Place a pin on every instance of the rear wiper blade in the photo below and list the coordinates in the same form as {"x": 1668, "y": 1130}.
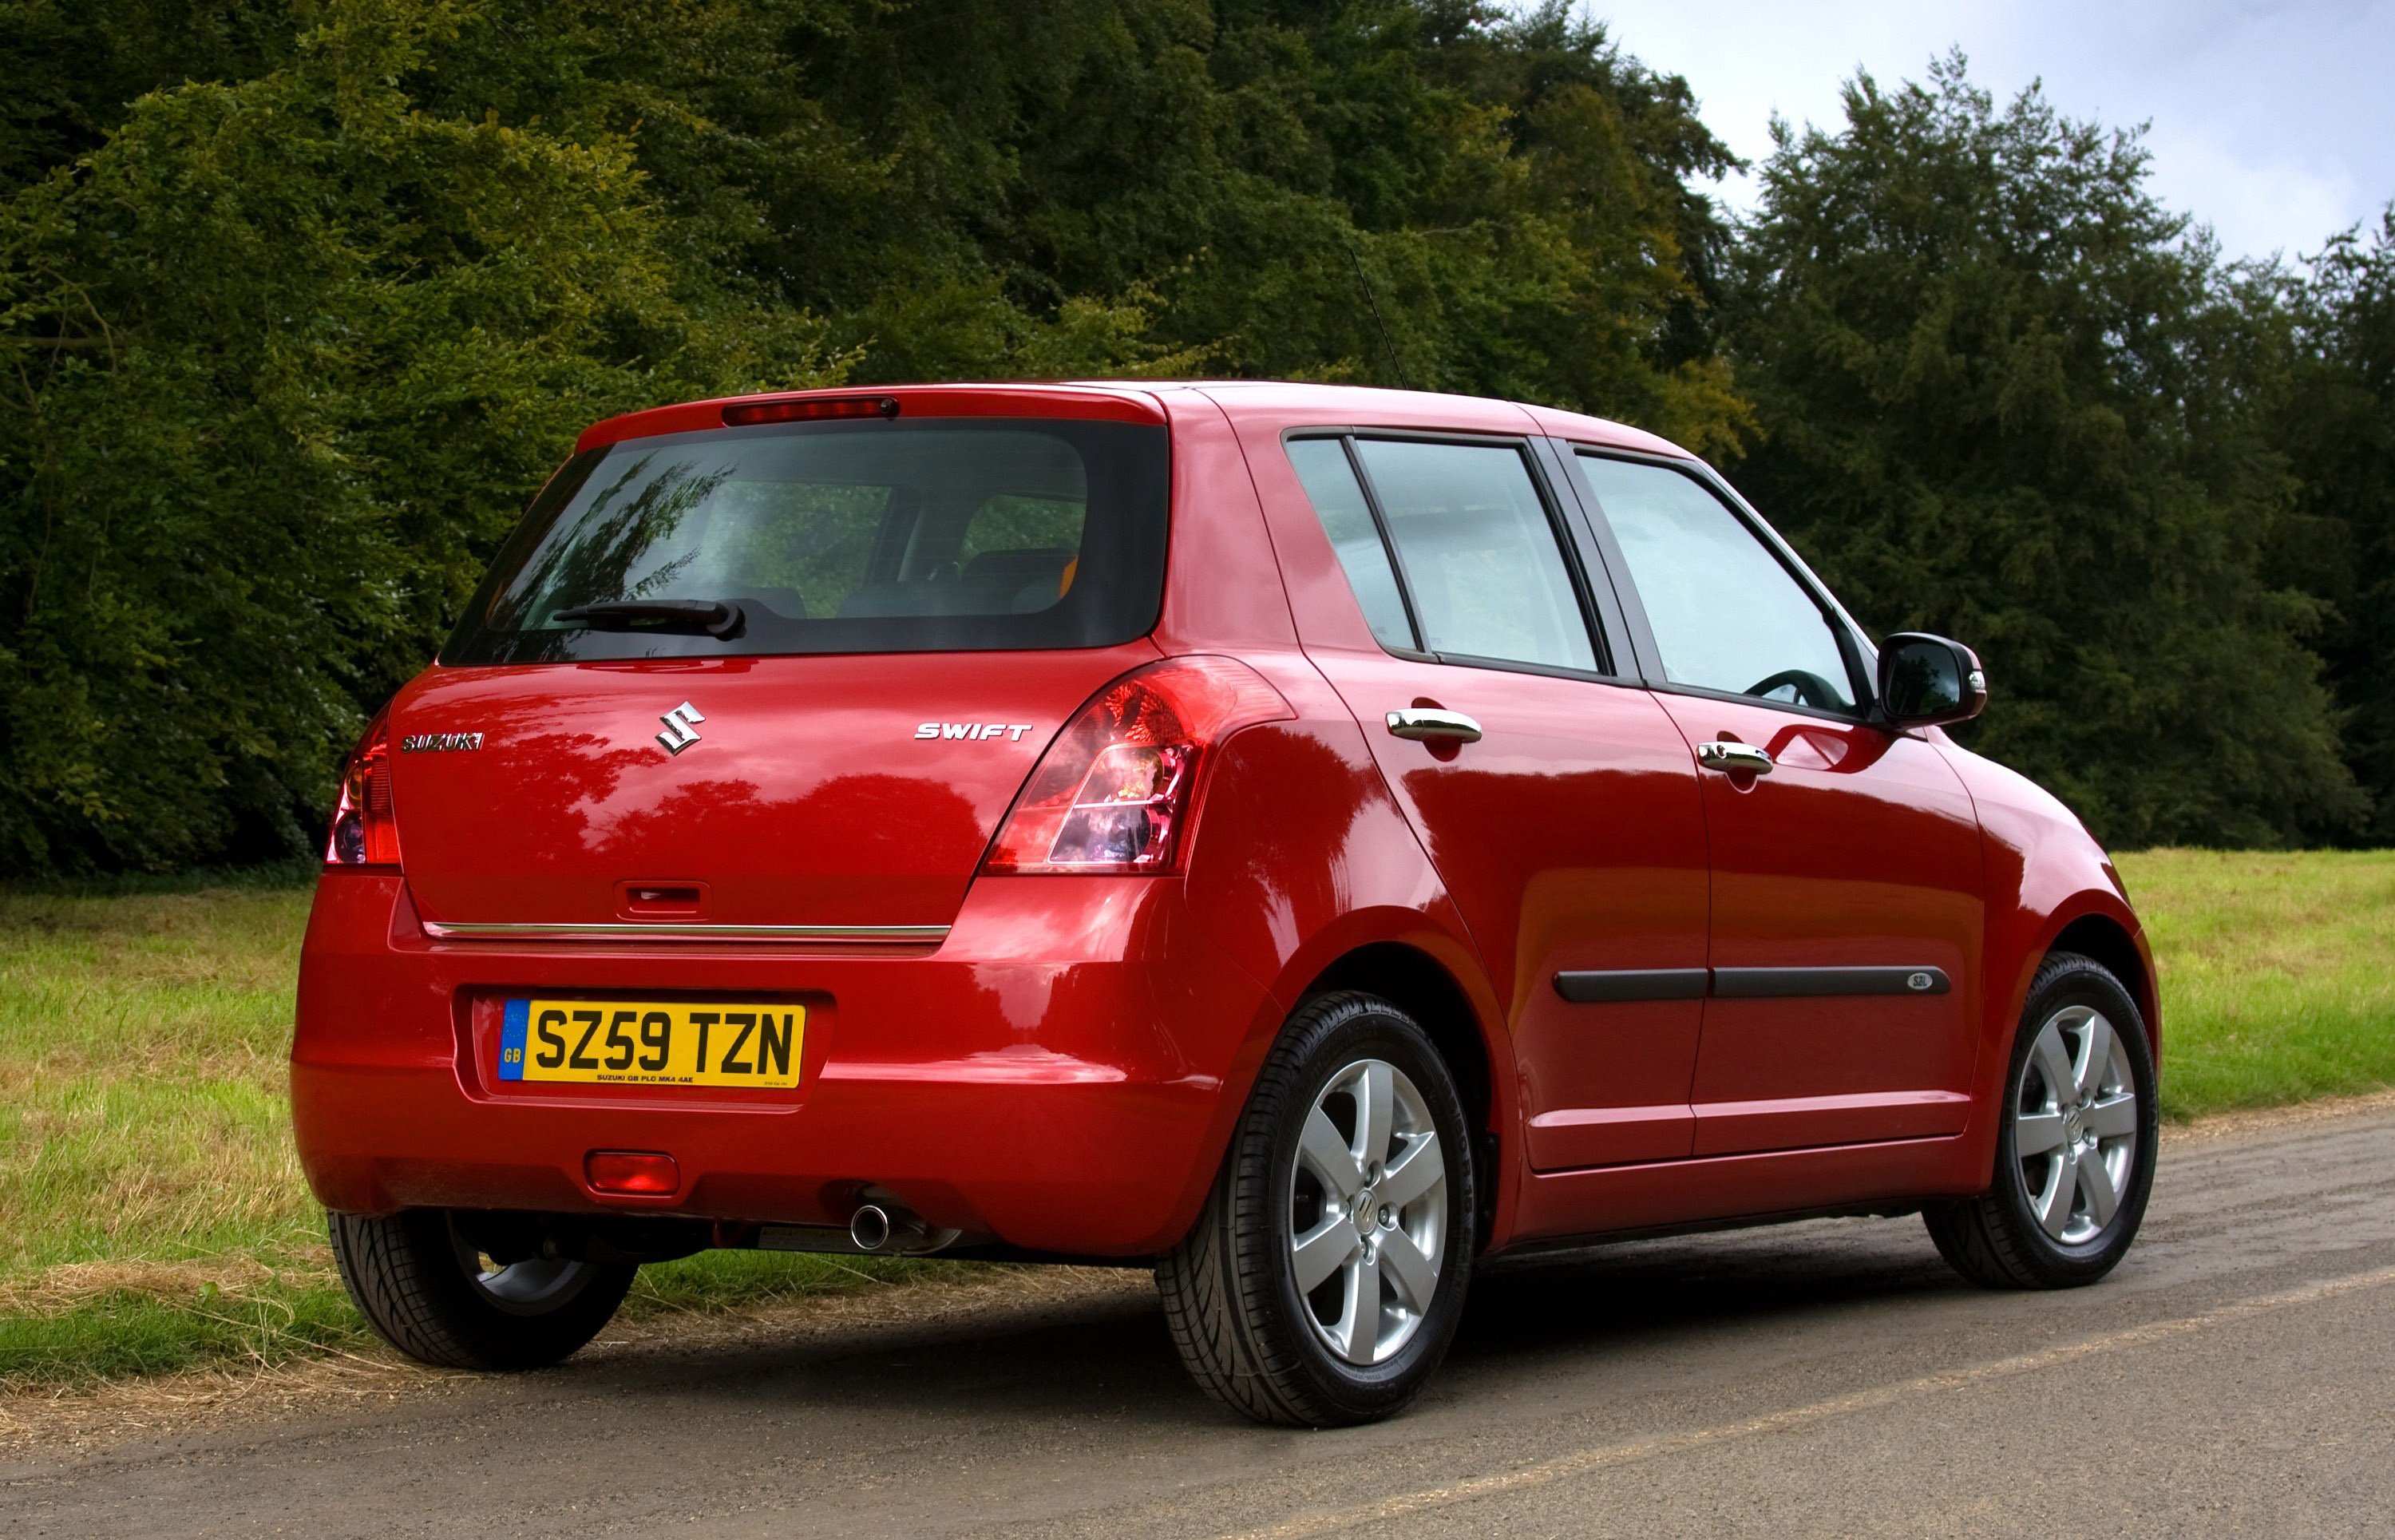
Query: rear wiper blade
{"x": 717, "y": 618}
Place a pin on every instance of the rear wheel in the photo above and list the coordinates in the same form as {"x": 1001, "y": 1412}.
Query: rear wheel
{"x": 1324, "y": 1280}
{"x": 2075, "y": 1153}
{"x": 432, "y": 1293}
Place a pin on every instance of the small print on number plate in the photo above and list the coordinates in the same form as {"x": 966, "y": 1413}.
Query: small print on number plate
{"x": 633, "y": 1042}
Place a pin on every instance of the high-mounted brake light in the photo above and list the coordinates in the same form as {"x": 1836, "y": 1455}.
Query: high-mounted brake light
{"x": 747, "y": 413}
{"x": 1115, "y": 790}
{"x": 364, "y": 832}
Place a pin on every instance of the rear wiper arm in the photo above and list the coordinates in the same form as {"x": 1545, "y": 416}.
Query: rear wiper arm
{"x": 717, "y": 618}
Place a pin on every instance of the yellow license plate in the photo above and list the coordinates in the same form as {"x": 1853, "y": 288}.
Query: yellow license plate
{"x": 634, "y": 1042}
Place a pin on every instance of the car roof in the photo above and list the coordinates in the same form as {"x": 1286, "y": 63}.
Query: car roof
{"x": 1291, "y": 402}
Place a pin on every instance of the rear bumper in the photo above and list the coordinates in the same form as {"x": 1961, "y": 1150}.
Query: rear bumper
{"x": 1059, "y": 1074}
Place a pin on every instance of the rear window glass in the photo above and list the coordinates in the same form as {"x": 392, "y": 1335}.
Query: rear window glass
{"x": 929, "y": 536}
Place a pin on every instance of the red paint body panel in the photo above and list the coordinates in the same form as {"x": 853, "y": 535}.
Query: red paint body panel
{"x": 2044, "y": 872}
{"x": 811, "y": 800}
{"x": 1859, "y": 849}
{"x": 1031, "y": 1079}
{"x": 1061, "y": 1071}
{"x": 1570, "y": 836}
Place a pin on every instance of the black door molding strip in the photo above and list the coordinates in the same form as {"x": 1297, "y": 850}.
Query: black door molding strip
{"x": 1611, "y": 986}
{"x": 1598, "y": 987}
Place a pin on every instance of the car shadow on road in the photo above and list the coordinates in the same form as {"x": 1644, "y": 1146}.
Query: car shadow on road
{"x": 1632, "y": 1291}
{"x": 1108, "y": 1354}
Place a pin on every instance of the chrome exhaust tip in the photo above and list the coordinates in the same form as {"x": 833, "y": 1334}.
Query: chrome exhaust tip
{"x": 869, "y": 1228}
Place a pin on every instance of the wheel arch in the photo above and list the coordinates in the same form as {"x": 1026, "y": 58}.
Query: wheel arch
{"x": 1422, "y": 986}
{"x": 2121, "y": 951}
{"x": 1418, "y": 984}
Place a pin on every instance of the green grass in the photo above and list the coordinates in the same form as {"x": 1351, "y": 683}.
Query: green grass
{"x": 153, "y": 1215}
{"x": 2278, "y": 972}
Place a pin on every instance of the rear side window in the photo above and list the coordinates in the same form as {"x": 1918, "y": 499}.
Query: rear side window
{"x": 1449, "y": 549}
{"x": 1725, "y": 614}
{"x": 1478, "y": 552}
{"x": 1339, "y": 502}
{"x": 934, "y": 535}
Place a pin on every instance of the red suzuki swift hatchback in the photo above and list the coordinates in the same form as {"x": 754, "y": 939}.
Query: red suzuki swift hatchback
{"x": 1307, "y": 840}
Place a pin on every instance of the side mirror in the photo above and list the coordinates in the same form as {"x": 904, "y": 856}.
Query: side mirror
{"x": 1926, "y": 679}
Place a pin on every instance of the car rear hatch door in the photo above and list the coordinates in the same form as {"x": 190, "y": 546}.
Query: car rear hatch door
{"x": 765, "y": 667}
{"x": 817, "y": 792}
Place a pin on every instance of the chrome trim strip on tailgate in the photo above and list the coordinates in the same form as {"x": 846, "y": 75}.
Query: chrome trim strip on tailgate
{"x": 458, "y": 930}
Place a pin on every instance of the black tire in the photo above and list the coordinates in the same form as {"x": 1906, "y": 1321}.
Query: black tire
{"x": 1230, "y": 1292}
{"x": 1996, "y": 1240}
{"x": 419, "y": 1286}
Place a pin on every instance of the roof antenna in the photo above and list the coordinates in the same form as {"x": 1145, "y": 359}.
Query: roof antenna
{"x": 1365, "y": 284}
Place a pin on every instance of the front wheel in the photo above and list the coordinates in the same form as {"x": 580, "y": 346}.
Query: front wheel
{"x": 1324, "y": 1281}
{"x": 430, "y": 1292}
{"x": 2075, "y": 1152}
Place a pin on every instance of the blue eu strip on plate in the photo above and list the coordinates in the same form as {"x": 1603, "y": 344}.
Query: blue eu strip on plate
{"x": 511, "y": 1040}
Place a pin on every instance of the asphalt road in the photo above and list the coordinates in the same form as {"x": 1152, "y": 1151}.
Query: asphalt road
{"x": 1828, "y": 1378}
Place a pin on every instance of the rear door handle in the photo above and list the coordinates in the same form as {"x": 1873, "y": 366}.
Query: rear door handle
{"x": 1425, "y": 726}
{"x": 1733, "y": 759}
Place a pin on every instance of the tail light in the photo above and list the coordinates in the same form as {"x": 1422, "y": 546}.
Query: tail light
{"x": 1115, "y": 789}
{"x": 365, "y": 833}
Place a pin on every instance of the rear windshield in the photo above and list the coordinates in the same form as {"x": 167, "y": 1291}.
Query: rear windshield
{"x": 930, "y": 536}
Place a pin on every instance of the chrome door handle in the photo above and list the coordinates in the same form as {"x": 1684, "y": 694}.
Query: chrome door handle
{"x": 1733, "y": 759}
{"x": 1427, "y": 726}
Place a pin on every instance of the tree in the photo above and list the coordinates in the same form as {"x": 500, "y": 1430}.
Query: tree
{"x": 283, "y": 357}
{"x": 2336, "y": 420}
{"x": 301, "y": 299}
{"x": 2005, "y": 395}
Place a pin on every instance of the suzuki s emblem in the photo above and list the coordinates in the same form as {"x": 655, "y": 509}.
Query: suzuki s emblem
{"x": 680, "y": 734}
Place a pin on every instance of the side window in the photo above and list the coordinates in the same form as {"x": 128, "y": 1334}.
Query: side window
{"x": 1727, "y": 615}
{"x": 1477, "y": 552}
{"x": 1339, "y": 502}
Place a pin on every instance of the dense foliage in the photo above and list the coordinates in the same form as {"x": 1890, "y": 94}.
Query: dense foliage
{"x": 300, "y": 298}
{"x": 2335, "y": 416}
{"x": 2009, "y": 399}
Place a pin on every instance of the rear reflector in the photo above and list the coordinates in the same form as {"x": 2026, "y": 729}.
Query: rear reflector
{"x": 635, "y": 1173}
{"x": 748, "y": 413}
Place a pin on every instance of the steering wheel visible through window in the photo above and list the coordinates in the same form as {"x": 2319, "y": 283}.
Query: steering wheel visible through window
{"x": 1723, "y": 605}
{"x": 1799, "y": 687}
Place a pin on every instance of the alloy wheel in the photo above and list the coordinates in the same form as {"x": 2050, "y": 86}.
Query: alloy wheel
{"x": 2076, "y": 1125}
{"x": 1368, "y": 1212}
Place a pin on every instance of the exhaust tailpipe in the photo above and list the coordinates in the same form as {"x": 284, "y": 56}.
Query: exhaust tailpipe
{"x": 869, "y": 1228}
{"x": 887, "y": 1228}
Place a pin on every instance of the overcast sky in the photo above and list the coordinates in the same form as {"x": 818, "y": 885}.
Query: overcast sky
{"x": 2273, "y": 123}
